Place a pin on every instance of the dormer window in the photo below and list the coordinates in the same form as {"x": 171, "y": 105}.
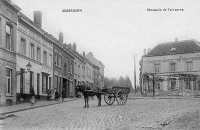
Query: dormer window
{"x": 172, "y": 49}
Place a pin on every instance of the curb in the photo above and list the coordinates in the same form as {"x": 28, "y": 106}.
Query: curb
{"x": 163, "y": 123}
{"x": 23, "y": 109}
{"x": 162, "y": 98}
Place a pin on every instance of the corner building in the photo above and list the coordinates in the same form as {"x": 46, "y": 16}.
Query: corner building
{"x": 174, "y": 66}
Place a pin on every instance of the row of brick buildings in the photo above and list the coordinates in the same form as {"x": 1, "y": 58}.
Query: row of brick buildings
{"x": 171, "y": 67}
{"x": 31, "y": 57}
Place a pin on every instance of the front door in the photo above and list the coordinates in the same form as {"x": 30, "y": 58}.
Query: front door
{"x": 22, "y": 81}
{"x": 38, "y": 85}
{"x": 173, "y": 84}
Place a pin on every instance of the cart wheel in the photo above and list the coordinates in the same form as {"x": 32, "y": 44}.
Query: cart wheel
{"x": 121, "y": 97}
{"x": 109, "y": 98}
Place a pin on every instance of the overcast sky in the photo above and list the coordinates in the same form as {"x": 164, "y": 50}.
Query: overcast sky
{"x": 114, "y": 29}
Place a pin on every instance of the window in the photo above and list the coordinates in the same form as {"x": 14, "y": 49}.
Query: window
{"x": 23, "y": 47}
{"x": 44, "y": 83}
{"x": 50, "y": 60}
{"x": 75, "y": 69}
{"x": 187, "y": 85}
{"x": 65, "y": 69}
{"x": 195, "y": 85}
{"x": 55, "y": 81}
{"x": 157, "y": 68}
{"x": 38, "y": 54}
{"x": 8, "y": 37}
{"x": 69, "y": 67}
{"x": 49, "y": 83}
{"x": 32, "y": 49}
{"x": 189, "y": 65}
{"x": 56, "y": 59}
{"x": 45, "y": 57}
{"x": 172, "y": 66}
{"x": 9, "y": 79}
{"x": 59, "y": 61}
{"x": 78, "y": 70}
{"x": 83, "y": 68}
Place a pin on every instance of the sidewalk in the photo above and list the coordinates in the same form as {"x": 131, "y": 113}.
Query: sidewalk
{"x": 139, "y": 96}
{"x": 26, "y": 106}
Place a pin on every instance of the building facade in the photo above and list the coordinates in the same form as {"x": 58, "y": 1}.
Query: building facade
{"x": 101, "y": 74}
{"x": 68, "y": 72}
{"x": 63, "y": 68}
{"x": 34, "y": 45}
{"x": 172, "y": 66}
{"x": 88, "y": 73}
{"x": 57, "y": 63}
{"x": 98, "y": 70}
{"x": 32, "y": 58}
{"x": 8, "y": 36}
{"x": 79, "y": 67}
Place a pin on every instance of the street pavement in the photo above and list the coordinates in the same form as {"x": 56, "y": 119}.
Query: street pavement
{"x": 137, "y": 113}
{"x": 25, "y": 106}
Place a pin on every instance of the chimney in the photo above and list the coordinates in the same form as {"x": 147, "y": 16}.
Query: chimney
{"x": 65, "y": 45}
{"x": 148, "y": 50}
{"x": 145, "y": 51}
{"x": 74, "y": 46}
{"x": 70, "y": 46}
{"x": 83, "y": 54}
{"x": 90, "y": 53}
{"x": 60, "y": 38}
{"x": 176, "y": 39}
{"x": 38, "y": 18}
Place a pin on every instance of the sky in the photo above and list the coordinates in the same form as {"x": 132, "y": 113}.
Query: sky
{"x": 113, "y": 30}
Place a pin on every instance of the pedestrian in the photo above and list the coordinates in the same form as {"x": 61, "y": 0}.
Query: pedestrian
{"x": 56, "y": 95}
{"x": 48, "y": 95}
{"x": 32, "y": 96}
{"x": 63, "y": 95}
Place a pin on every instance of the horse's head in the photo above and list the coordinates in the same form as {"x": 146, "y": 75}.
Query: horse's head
{"x": 80, "y": 88}
{"x": 77, "y": 88}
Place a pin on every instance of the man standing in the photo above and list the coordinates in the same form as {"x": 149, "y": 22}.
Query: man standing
{"x": 32, "y": 96}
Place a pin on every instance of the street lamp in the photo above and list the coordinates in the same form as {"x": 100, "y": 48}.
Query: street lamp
{"x": 28, "y": 67}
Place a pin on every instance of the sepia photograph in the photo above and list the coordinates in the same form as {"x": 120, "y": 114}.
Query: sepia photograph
{"x": 99, "y": 65}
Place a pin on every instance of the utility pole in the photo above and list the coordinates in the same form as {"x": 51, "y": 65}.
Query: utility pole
{"x": 135, "y": 73}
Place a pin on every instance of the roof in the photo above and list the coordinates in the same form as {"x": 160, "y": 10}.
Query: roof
{"x": 50, "y": 36}
{"x": 13, "y": 5}
{"x": 173, "y": 48}
{"x": 79, "y": 56}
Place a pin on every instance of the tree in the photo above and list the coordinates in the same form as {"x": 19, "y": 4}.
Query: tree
{"x": 121, "y": 82}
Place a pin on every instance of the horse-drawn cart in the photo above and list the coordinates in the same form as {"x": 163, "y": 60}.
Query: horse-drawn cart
{"x": 120, "y": 94}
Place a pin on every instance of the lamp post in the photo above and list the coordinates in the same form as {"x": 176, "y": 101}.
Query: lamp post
{"x": 21, "y": 72}
{"x": 28, "y": 67}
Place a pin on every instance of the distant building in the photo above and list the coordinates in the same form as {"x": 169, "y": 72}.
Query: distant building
{"x": 98, "y": 70}
{"x": 89, "y": 73}
{"x": 8, "y": 39}
{"x": 173, "y": 66}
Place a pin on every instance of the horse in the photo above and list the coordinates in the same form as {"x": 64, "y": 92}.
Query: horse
{"x": 87, "y": 91}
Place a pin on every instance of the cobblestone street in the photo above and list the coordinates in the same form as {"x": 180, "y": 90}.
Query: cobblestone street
{"x": 135, "y": 114}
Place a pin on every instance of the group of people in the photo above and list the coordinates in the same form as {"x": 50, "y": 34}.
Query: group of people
{"x": 51, "y": 95}
{"x": 55, "y": 95}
